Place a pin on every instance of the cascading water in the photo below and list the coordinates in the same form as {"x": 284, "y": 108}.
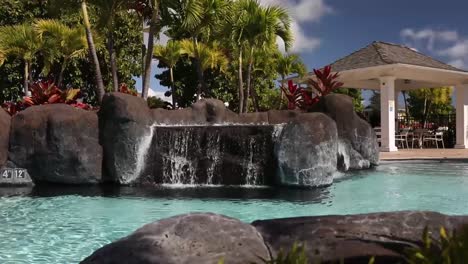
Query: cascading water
{"x": 212, "y": 155}
{"x": 141, "y": 154}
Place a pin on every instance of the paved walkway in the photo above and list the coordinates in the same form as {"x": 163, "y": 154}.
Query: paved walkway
{"x": 425, "y": 154}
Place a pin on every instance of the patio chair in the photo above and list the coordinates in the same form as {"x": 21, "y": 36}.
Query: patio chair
{"x": 402, "y": 137}
{"x": 435, "y": 138}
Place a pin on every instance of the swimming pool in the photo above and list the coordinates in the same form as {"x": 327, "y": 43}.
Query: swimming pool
{"x": 65, "y": 224}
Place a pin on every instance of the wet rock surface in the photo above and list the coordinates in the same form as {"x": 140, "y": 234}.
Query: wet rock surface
{"x": 355, "y": 238}
{"x": 5, "y": 121}
{"x": 191, "y": 238}
{"x": 358, "y": 142}
{"x": 57, "y": 143}
{"x": 306, "y": 151}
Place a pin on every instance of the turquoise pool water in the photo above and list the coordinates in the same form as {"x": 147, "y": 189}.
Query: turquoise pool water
{"x": 64, "y": 225}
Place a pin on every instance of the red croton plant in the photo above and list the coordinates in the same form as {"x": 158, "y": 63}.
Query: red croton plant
{"x": 305, "y": 98}
{"x": 46, "y": 92}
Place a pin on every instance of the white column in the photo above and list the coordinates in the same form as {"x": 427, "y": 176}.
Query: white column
{"x": 387, "y": 113}
{"x": 461, "y": 93}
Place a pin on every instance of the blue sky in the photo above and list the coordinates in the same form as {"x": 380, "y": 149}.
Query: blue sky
{"x": 326, "y": 30}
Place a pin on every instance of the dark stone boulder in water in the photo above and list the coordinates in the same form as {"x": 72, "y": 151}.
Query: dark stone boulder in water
{"x": 358, "y": 147}
{"x": 306, "y": 151}
{"x": 355, "y": 238}
{"x": 5, "y": 121}
{"x": 191, "y": 238}
{"x": 57, "y": 143}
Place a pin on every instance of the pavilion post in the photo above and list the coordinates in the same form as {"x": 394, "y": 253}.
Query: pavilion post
{"x": 387, "y": 113}
{"x": 462, "y": 116}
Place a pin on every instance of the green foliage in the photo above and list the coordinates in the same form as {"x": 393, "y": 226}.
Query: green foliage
{"x": 425, "y": 102}
{"x": 155, "y": 102}
{"x": 449, "y": 249}
{"x": 356, "y": 94}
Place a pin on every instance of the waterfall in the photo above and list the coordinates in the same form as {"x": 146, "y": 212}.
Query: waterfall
{"x": 213, "y": 155}
{"x": 141, "y": 153}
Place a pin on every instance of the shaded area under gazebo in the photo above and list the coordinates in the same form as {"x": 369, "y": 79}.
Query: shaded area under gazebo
{"x": 392, "y": 68}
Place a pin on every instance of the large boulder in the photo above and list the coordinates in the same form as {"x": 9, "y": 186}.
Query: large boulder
{"x": 358, "y": 147}
{"x": 191, "y": 238}
{"x": 306, "y": 150}
{"x": 125, "y": 133}
{"x": 5, "y": 121}
{"x": 57, "y": 143}
{"x": 355, "y": 238}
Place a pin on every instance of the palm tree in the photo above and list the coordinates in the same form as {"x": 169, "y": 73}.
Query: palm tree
{"x": 207, "y": 57}
{"x": 70, "y": 42}
{"x": 20, "y": 41}
{"x": 258, "y": 27}
{"x": 169, "y": 55}
{"x": 287, "y": 64}
{"x": 201, "y": 19}
{"x": 153, "y": 31}
{"x": 92, "y": 52}
{"x": 108, "y": 11}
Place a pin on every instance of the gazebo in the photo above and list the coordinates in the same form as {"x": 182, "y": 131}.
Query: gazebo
{"x": 392, "y": 68}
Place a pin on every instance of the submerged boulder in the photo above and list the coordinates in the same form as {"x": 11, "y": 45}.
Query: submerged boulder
{"x": 358, "y": 147}
{"x": 306, "y": 151}
{"x": 5, "y": 121}
{"x": 355, "y": 238}
{"x": 191, "y": 238}
{"x": 57, "y": 143}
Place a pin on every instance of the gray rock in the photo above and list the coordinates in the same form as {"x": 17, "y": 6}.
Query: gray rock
{"x": 57, "y": 143}
{"x": 356, "y": 136}
{"x": 124, "y": 125}
{"x": 191, "y": 238}
{"x": 306, "y": 151}
{"x": 5, "y": 122}
{"x": 355, "y": 238}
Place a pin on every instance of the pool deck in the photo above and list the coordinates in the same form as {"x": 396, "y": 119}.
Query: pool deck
{"x": 426, "y": 154}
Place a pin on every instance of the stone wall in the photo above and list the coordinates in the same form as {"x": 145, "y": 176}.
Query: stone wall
{"x": 127, "y": 143}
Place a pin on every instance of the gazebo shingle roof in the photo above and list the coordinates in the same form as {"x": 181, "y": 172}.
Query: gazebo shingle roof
{"x": 382, "y": 53}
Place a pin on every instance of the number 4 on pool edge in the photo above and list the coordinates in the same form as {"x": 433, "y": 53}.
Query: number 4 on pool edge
{"x": 5, "y": 174}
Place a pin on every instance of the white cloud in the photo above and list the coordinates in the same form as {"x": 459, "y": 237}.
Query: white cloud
{"x": 448, "y": 44}
{"x": 160, "y": 95}
{"x": 302, "y": 12}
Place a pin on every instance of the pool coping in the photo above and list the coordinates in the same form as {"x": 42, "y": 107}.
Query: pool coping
{"x": 424, "y": 160}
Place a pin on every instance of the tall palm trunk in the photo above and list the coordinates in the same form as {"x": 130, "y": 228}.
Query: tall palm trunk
{"x": 406, "y": 107}
{"x": 174, "y": 101}
{"x": 281, "y": 91}
{"x": 255, "y": 98}
{"x": 113, "y": 62}
{"x": 26, "y": 78}
{"x": 249, "y": 77}
{"x": 62, "y": 70}
{"x": 241, "y": 84}
{"x": 201, "y": 82}
{"x": 149, "y": 51}
{"x": 93, "y": 54}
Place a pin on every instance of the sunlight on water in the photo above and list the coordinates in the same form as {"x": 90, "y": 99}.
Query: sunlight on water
{"x": 56, "y": 226}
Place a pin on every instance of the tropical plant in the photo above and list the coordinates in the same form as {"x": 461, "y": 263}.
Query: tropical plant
{"x": 70, "y": 42}
{"x": 206, "y": 57}
{"x": 287, "y": 64}
{"x": 93, "y": 53}
{"x": 155, "y": 102}
{"x": 126, "y": 90}
{"x": 259, "y": 27}
{"x": 201, "y": 19}
{"x": 449, "y": 249}
{"x": 153, "y": 31}
{"x": 429, "y": 101}
{"x": 305, "y": 98}
{"x": 20, "y": 41}
{"x": 46, "y": 92}
{"x": 169, "y": 55}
